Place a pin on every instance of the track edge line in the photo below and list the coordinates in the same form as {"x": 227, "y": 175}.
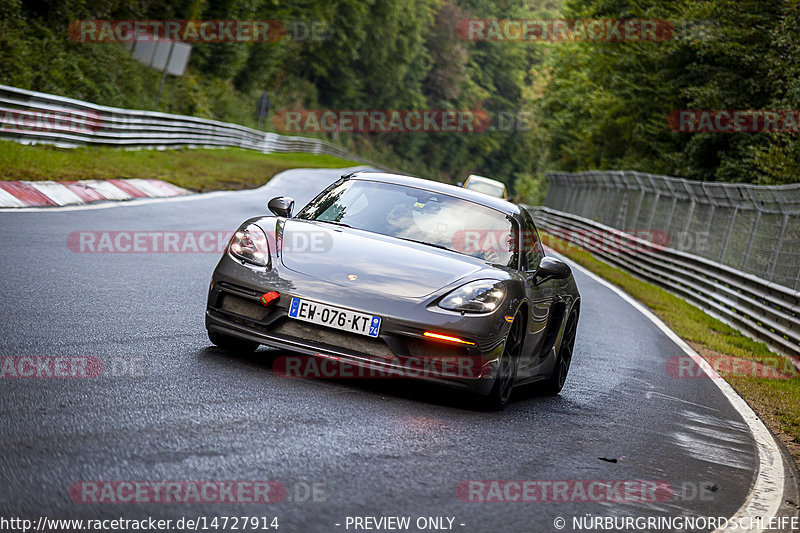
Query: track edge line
{"x": 766, "y": 493}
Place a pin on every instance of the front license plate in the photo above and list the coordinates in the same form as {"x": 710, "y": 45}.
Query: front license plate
{"x": 335, "y": 317}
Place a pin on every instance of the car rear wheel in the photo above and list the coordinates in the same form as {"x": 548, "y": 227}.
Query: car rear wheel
{"x": 507, "y": 368}
{"x": 556, "y": 381}
{"x": 231, "y": 344}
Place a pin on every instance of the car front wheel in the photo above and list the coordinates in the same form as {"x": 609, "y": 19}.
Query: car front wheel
{"x": 556, "y": 381}
{"x": 507, "y": 368}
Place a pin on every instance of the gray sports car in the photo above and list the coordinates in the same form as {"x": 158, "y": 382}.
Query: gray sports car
{"x": 403, "y": 277}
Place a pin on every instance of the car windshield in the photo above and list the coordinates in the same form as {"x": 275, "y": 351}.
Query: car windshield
{"x": 485, "y": 188}
{"x": 421, "y": 216}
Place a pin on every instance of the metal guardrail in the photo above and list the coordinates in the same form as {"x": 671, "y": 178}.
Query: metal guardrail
{"x": 34, "y": 117}
{"x": 764, "y": 310}
{"x": 752, "y": 228}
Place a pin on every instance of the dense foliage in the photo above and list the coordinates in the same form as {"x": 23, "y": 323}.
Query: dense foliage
{"x": 587, "y": 105}
{"x": 607, "y": 103}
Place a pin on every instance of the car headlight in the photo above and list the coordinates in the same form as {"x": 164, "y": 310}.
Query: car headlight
{"x": 482, "y": 296}
{"x": 249, "y": 244}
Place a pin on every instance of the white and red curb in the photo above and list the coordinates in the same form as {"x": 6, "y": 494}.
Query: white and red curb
{"x": 58, "y": 193}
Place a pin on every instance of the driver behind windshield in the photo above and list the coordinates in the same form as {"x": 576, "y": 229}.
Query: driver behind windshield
{"x": 400, "y": 223}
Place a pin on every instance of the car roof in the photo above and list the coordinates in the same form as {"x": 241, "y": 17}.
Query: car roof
{"x": 436, "y": 186}
{"x": 475, "y": 177}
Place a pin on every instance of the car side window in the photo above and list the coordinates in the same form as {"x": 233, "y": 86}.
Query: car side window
{"x": 532, "y": 246}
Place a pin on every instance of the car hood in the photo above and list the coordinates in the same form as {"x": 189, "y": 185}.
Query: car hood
{"x": 383, "y": 265}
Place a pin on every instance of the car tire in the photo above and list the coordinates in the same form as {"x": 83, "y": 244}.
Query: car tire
{"x": 507, "y": 369}
{"x": 231, "y": 344}
{"x": 553, "y": 385}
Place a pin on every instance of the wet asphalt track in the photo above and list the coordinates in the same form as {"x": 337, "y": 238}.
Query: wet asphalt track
{"x": 172, "y": 407}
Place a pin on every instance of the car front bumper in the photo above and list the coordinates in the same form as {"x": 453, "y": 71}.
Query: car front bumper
{"x": 401, "y": 349}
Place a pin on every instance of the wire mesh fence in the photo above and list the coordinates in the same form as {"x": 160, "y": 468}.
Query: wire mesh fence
{"x": 755, "y": 229}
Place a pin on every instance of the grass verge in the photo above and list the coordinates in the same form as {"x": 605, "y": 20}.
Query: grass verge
{"x": 195, "y": 169}
{"x": 770, "y": 384}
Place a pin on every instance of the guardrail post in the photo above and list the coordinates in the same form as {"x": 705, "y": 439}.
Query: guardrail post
{"x": 586, "y": 198}
{"x": 773, "y": 259}
{"x": 619, "y": 185}
{"x": 753, "y": 231}
{"x": 711, "y": 212}
{"x": 674, "y": 194}
{"x": 572, "y": 198}
{"x": 563, "y": 193}
{"x": 623, "y": 211}
{"x": 728, "y": 235}
{"x": 652, "y": 213}
{"x": 635, "y": 219}
{"x": 689, "y": 216}
{"x": 797, "y": 281}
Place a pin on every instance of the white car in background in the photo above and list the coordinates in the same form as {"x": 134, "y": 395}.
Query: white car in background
{"x": 486, "y": 186}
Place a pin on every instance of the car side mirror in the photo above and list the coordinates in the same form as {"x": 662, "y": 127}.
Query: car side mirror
{"x": 460, "y": 184}
{"x": 551, "y": 268}
{"x": 281, "y": 206}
